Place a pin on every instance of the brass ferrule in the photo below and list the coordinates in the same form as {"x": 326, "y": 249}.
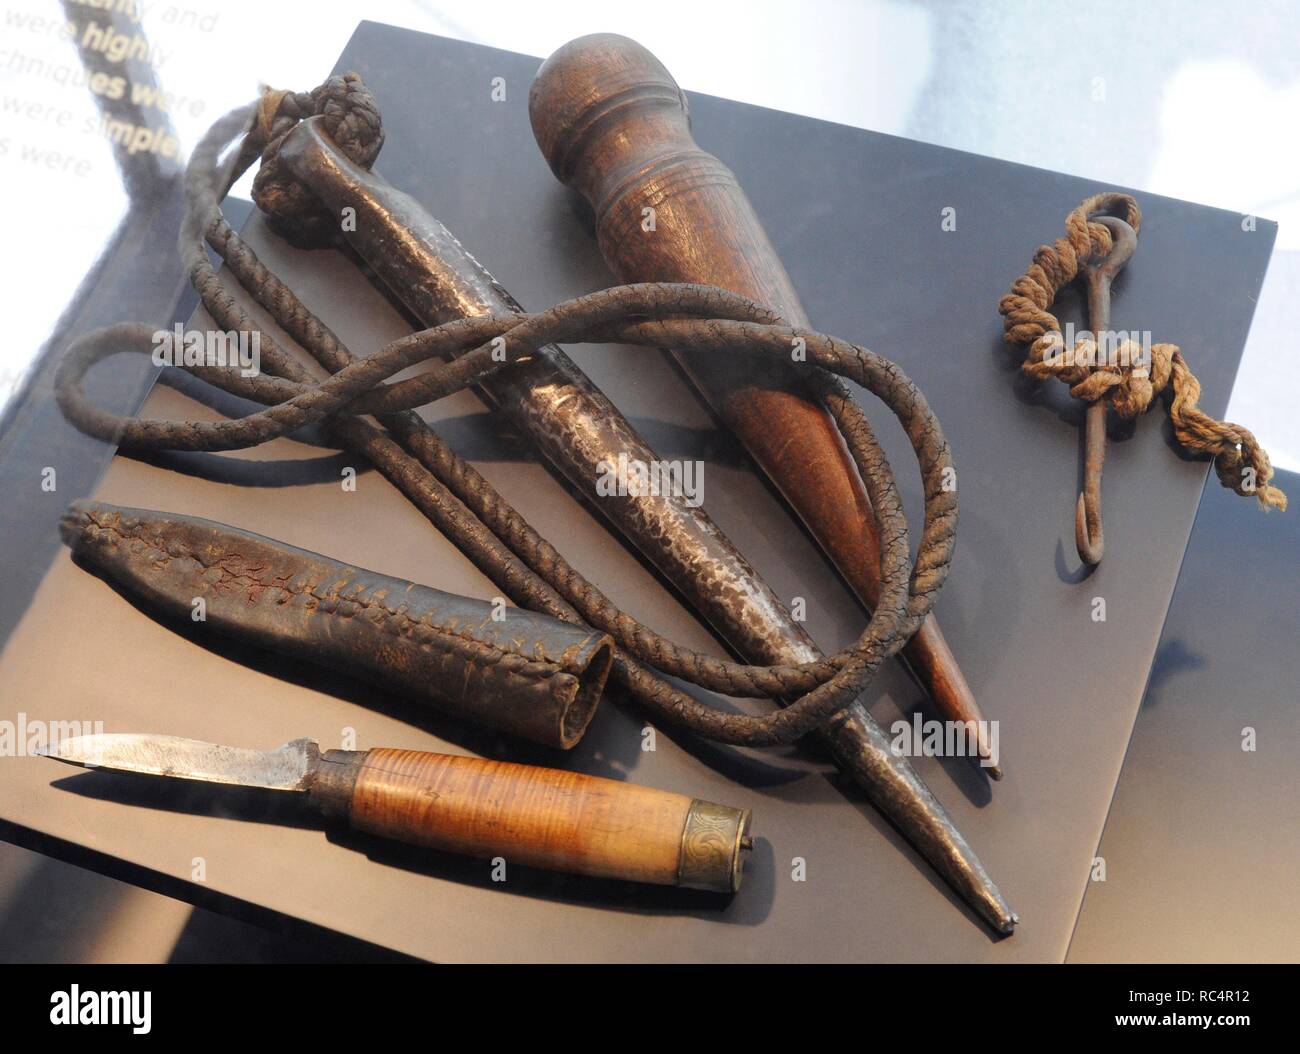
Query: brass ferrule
{"x": 713, "y": 839}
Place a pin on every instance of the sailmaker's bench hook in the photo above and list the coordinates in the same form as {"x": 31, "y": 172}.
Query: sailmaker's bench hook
{"x": 1099, "y": 273}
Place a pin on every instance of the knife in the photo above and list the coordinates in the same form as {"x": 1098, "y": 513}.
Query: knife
{"x": 539, "y": 817}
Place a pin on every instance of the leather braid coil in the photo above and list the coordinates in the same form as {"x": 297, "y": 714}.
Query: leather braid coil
{"x": 452, "y": 494}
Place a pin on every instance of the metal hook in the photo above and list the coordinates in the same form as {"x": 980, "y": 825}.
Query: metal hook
{"x": 1088, "y": 538}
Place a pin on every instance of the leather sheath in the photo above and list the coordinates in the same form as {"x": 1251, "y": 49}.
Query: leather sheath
{"x": 523, "y": 673}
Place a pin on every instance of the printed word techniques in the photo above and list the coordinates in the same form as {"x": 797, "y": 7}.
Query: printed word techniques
{"x": 216, "y": 348}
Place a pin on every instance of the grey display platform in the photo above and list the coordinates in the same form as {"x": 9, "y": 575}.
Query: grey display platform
{"x": 857, "y": 218}
{"x": 1202, "y": 844}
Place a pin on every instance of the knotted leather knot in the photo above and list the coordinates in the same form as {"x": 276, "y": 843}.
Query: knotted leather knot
{"x": 351, "y": 119}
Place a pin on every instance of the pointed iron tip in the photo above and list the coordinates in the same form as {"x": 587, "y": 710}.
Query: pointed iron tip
{"x": 861, "y": 747}
{"x": 995, "y": 910}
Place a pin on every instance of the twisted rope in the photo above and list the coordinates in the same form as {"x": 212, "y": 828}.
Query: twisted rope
{"x": 452, "y": 494}
{"x": 1129, "y": 383}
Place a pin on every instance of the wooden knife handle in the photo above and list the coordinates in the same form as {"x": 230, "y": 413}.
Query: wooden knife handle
{"x": 540, "y": 817}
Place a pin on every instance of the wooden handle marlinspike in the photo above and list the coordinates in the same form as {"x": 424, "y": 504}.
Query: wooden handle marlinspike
{"x": 613, "y": 124}
{"x": 539, "y": 817}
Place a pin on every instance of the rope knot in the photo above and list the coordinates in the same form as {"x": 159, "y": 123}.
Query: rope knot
{"x": 1124, "y": 373}
{"x": 351, "y": 119}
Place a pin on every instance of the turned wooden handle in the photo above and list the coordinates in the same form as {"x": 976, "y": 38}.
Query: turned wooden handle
{"x": 541, "y": 817}
{"x": 613, "y": 124}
